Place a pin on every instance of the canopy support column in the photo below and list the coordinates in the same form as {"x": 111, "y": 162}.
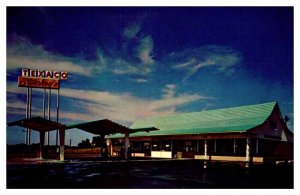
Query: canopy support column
{"x": 257, "y": 145}
{"x": 205, "y": 149}
{"x": 234, "y": 146}
{"x": 42, "y": 141}
{"x": 111, "y": 147}
{"x": 215, "y": 147}
{"x": 126, "y": 144}
{"x": 62, "y": 144}
{"x": 248, "y": 152}
{"x": 205, "y": 154}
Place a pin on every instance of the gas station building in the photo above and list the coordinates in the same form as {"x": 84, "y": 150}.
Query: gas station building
{"x": 253, "y": 133}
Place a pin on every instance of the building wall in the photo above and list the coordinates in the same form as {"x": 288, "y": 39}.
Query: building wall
{"x": 273, "y": 128}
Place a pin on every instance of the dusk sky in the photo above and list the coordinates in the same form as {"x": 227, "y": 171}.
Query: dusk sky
{"x": 129, "y": 63}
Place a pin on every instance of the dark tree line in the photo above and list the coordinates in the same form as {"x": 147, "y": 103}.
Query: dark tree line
{"x": 98, "y": 141}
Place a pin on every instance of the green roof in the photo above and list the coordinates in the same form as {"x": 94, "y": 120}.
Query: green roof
{"x": 236, "y": 119}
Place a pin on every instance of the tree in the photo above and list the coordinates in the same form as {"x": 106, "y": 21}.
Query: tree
{"x": 286, "y": 118}
{"x": 85, "y": 144}
{"x": 99, "y": 141}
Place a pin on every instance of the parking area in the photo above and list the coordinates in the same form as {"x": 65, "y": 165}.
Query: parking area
{"x": 147, "y": 174}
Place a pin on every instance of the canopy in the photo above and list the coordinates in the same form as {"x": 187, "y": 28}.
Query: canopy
{"x": 99, "y": 127}
{"x": 38, "y": 124}
{"x": 106, "y": 127}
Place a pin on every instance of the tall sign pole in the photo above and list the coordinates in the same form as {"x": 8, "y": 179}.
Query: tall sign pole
{"x": 27, "y": 102}
{"x": 57, "y": 114}
{"x": 49, "y": 112}
{"x": 30, "y": 105}
{"x": 44, "y": 99}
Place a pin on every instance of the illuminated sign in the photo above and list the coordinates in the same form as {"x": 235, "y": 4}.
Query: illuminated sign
{"x": 44, "y": 74}
{"x": 37, "y": 82}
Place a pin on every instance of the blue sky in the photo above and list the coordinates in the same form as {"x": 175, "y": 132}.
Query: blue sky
{"x": 128, "y": 63}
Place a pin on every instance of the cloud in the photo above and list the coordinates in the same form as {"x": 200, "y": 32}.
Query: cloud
{"x": 167, "y": 106}
{"x": 19, "y": 108}
{"x": 123, "y": 67}
{"x": 139, "y": 80}
{"x": 131, "y": 31}
{"x": 186, "y": 64}
{"x": 14, "y": 62}
{"x": 90, "y": 105}
{"x": 17, "y": 104}
{"x": 136, "y": 54}
{"x": 144, "y": 50}
{"x": 169, "y": 91}
{"x": 129, "y": 66}
{"x": 222, "y": 58}
{"x": 120, "y": 66}
{"x": 23, "y": 54}
{"x": 134, "y": 28}
{"x": 124, "y": 107}
{"x": 12, "y": 88}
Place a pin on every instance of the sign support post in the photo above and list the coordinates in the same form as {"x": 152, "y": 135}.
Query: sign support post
{"x": 44, "y": 79}
{"x": 57, "y": 114}
{"x": 49, "y": 112}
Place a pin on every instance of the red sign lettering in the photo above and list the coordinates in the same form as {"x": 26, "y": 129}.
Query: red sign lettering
{"x": 38, "y": 82}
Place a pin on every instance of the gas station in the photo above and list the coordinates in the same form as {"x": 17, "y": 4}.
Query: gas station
{"x": 50, "y": 80}
{"x": 251, "y": 133}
